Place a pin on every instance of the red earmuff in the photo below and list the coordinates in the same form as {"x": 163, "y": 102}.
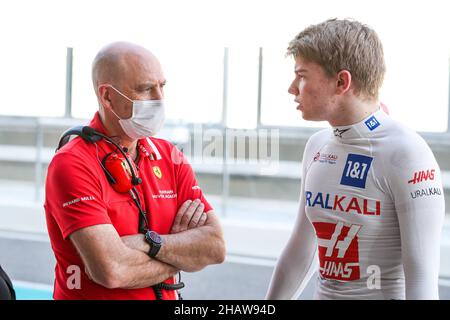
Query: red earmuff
{"x": 118, "y": 172}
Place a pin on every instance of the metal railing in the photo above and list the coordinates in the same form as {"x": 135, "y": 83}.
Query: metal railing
{"x": 39, "y": 123}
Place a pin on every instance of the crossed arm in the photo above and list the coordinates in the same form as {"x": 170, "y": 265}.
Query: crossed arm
{"x": 196, "y": 240}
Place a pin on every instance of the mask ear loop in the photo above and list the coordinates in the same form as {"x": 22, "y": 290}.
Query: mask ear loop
{"x": 116, "y": 115}
{"x": 110, "y": 85}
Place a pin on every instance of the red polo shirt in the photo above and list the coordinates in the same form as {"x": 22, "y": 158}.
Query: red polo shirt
{"x": 78, "y": 195}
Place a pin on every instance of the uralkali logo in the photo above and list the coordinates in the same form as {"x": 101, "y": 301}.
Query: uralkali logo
{"x": 423, "y": 175}
{"x": 325, "y": 158}
{"x": 340, "y": 203}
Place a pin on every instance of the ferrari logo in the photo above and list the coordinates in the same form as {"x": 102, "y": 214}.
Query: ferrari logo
{"x": 157, "y": 172}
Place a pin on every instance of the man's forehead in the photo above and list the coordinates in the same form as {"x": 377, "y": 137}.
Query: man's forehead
{"x": 143, "y": 70}
{"x": 300, "y": 64}
{"x": 141, "y": 61}
{"x": 303, "y": 65}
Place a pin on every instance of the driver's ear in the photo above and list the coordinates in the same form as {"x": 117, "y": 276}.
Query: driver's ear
{"x": 343, "y": 82}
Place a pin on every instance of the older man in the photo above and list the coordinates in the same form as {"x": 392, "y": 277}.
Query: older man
{"x": 94, "y": 227}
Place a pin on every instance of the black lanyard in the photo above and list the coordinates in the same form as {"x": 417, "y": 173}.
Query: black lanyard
{"x": 143, "y": 222}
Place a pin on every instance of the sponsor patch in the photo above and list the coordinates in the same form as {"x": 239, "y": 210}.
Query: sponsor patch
{"x": 325, "y": 158}
{"x": 426, "y": 193}
{"x": 423, "y": 175}
{"x": 346, "y": 204}
{"x": 87, "y": 198}
{"x": 355, "y": 171}
{"x": 157, "y": 172}
{"x": 338, "y": 250}
{"x": 338, "y": 133}
{"x": 372, "y": 123}
{"x": 165, "y": 194}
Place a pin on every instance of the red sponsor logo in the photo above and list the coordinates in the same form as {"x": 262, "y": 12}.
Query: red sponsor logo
{"x": 325, "y": 158}
{"x": 343, "y": 203}
{"x": 423, "y": 175}
{"x": 338, "y": 250}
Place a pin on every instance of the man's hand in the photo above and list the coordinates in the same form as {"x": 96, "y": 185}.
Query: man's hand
{"x": 110, "y": 263}
{"x": 190, "y": 215}
{"x": 195, "y": 240}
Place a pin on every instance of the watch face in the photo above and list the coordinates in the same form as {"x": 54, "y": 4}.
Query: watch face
{"x": 155, "y": 237}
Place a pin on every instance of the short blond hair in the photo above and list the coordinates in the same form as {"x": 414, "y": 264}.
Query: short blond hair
{"x": 349, "y": 45}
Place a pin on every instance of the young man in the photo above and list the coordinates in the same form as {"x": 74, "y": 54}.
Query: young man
{"x": 371, "y": 203}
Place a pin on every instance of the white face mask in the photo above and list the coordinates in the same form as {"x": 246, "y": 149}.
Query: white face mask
{"x": 147, "y": 118}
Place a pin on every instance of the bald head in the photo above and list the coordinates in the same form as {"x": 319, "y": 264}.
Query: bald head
{"x": 122, "y": 63}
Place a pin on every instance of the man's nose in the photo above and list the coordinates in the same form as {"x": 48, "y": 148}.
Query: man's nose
{"x": 293, "y": 89}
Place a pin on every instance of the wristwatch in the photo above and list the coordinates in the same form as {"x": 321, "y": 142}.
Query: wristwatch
{"x": 155, "y": 242}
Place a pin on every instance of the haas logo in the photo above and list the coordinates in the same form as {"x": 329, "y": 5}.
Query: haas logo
{"x": 338, "y": 250}
{"x": 420, "y": 176}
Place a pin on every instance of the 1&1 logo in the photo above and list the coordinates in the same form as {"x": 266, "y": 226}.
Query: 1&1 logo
{"x": 356, "y": 170}
{"x": 372, "y": 123}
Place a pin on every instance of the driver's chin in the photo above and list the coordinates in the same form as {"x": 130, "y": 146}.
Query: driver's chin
{"x": 306, "y": 116}
{"x": 310, "y": 116}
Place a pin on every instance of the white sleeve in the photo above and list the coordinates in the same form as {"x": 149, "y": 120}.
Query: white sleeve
{"x": 298, "y": 261}
{"x": 415, "y": 182}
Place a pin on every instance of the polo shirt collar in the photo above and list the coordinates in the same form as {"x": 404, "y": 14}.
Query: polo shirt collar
{"x": 97, "y": 124}
{"x": 147, "y": 147}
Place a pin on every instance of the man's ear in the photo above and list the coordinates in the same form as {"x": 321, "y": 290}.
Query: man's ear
{"x": 343, "y": 81}
{"x": 104, "y": 96}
